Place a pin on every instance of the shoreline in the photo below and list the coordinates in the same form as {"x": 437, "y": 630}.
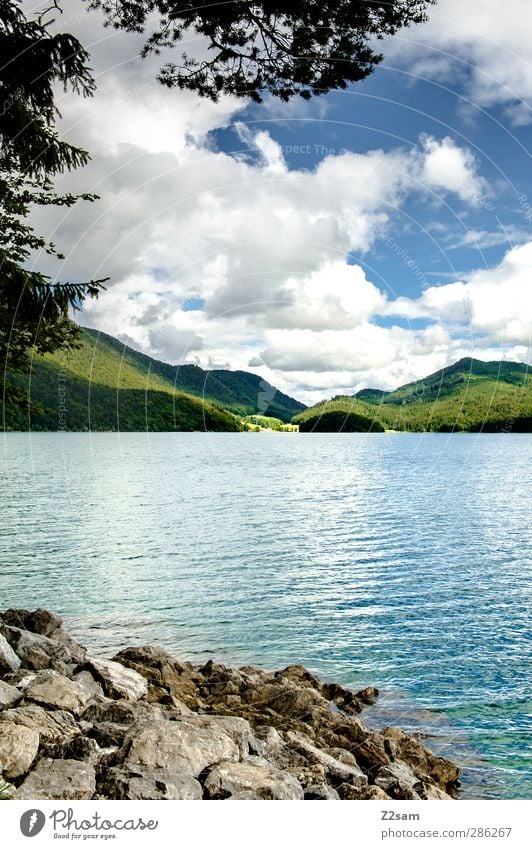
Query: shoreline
{"x": 145, "y": 725}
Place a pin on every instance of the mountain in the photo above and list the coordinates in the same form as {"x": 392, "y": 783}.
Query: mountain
{"x": 470, "y": 395}
{"x": 106, "y": 385}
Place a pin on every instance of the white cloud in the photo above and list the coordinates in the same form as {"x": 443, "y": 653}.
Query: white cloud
{"x": 485, "y": 42}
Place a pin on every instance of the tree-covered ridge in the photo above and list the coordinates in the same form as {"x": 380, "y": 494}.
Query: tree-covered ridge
{"x": 470, "y": 395}
{"x": 241, "y": 392}
{"x": 105, "y": 385}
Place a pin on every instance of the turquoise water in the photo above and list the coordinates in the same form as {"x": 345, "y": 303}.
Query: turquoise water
{"x": 399, "y": 560}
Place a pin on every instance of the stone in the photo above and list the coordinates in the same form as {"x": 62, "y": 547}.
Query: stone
{"x": 43, "y": 622}
{"x": 35, "y": 650}
{"x": 77, "y": 749}
{"x": 18, "y": 749}
{"x": 334, "y": 768}
{"x": 9, "y": 660}
{"x": 59, "y": 779}
{"x": 77, "y": 652}
{"x": 53, "y": 690}
{"x": 188, "y": 744}
{"x": 228, "y": 779}
{"x": 9, "y": 696}
{"x": 398, "y": 780}
{"x": 138, "y": 784}
{"x": 117, "y": 681}
{"x": 39, "y": 622}
{"x": 320, "y": 791}
{"x": 122, "y": 712}
{"x": 408, "y": 748}
{"x": 369, "y": 791}
{"x": 89, "y": 682}
{"x": 109, "y": 734}
{"x": 51, "y": 726}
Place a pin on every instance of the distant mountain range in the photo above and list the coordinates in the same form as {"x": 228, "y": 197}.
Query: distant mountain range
{"x": 106, "y": 385}
{"x": 470, "y": 395}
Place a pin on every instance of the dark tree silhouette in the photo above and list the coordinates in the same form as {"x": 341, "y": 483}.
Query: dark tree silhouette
{"x": 34, "y": 310}
{"x": 305, "y": 47}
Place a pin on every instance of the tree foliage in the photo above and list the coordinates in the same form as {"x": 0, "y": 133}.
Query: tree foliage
{"x": 305, "y": 47}
{"x": 34, "y": 310}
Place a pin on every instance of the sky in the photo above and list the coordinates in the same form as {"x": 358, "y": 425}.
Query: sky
{"x": 365, "y": 238}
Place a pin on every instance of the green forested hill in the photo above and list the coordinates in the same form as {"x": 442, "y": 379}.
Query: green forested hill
{"x": 104, "y": 385}
{"x": 470, "y": 395}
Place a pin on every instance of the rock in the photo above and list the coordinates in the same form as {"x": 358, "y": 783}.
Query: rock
{"x": 39, "y": 622}
{"x": 77, "y": 749}
{"x": 188, "y": 744}
{"x": 369, "y": 791}
{"x": 52, "y": 726}
{"x": 9, "y": 696}
{"x": 89, "y": 682}
{"x": 43, "y": 622}
{"x": 18, "y": 749}
{"x": 320, "y": 791}
{"x": 228, "y": 779}
{"x": 398, "y": 780}
{"x": 54, "y": 690}
{"x": 122, "y": 712}
{"x": 9, "y": 660}
{"x": 77, "y": 653}
{"x": 109, "y": 734}
{"x": 59, "y": 779}
{"x": 162, "y": 670}
{"x": 408, "y": 748}
{"x": 266, "y": 741}
{"x": 117, "y": 681}
{"x": 36, "y": 651}
{"x": 368, "y": 695}
{"x": 136, "y": 784}
{"x": 334, "y": 768}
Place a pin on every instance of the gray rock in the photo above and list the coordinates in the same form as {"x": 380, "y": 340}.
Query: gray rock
{"x": 36, "y": 651}
{"x": 40, "y": 621}
{"x": 395, "y": 773}
{"x": 54, "y": 690}
{"x": 188, "y": 744}
{"x": 78, "y": 653}
{"x": 320, "y": 791}
{"x": 228, "y": 779}
{"x": 77, "y": 749}
{"x": 18, "y": 749}
{"x": 118, "y": 681}
{"x": 53, "y": 726}
{"x": 9, "y": 660}
{"x": 122, "y": 712}
{"x": 89, "y": 682}
{"x": 334, "y": 768}
{"x": 9, "y": 696}
{"x": 139, "y": 784}
{"x": 59, "y": 779}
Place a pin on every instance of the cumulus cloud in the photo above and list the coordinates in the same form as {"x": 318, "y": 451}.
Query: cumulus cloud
{"x": 487, "y": 44}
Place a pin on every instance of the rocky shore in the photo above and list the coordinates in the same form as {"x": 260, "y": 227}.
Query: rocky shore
{"x": 144, "y": 725}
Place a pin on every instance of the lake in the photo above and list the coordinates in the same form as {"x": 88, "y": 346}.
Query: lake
{"x": 397, "y": 560}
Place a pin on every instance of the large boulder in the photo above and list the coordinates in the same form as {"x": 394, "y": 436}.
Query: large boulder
{"x": 9, "y": 660}
{"x": 59, "y": 779}
{"x": 188, "y": 744}
{"x": 336, "y": 770}
{"x": 119, "y": 783}
{"x": 9, "y": 696}
{"x": 53, "y": 726}
{"x": 51, "y": 689}
{"x": 259, "y": 782}
{"x": 117, "y": 681}
{"x": 36, "y": 651}
{"x": 39, "y": 622}
{"x": 425, "y": 763}
{"x": 18, "y": 749}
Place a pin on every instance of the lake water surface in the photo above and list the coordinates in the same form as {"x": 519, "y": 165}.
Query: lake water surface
{"x": 398, "y": 560}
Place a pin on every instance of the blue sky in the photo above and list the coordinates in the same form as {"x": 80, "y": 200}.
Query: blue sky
{"x": 366, "y": 238}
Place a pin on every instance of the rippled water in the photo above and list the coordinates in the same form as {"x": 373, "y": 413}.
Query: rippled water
{"x": 400, "y": 560}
